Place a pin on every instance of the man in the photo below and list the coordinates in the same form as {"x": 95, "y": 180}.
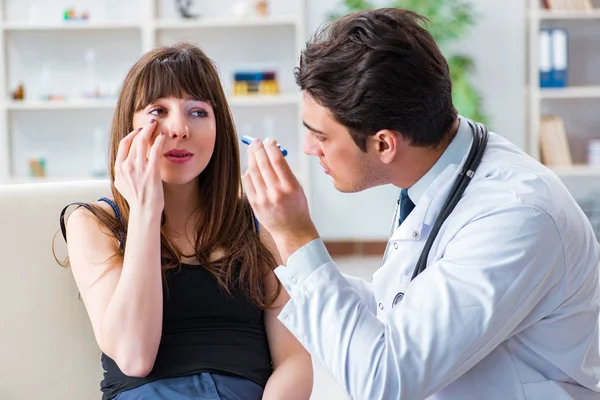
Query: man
{"x": 508, "y": 304}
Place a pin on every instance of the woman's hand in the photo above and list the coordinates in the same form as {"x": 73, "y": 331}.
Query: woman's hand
{"x": 137, "y": 172}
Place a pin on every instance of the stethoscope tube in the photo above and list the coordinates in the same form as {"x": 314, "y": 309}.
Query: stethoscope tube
{"x": 480, "y": 139}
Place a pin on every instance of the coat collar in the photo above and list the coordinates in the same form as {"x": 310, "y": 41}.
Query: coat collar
{"x": 431, "y": 191}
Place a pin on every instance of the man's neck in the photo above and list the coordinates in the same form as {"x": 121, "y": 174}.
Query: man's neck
{"x": 417, "y": 161}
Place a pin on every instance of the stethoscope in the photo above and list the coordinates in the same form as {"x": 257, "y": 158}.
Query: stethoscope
{"x": 480, "y": 139}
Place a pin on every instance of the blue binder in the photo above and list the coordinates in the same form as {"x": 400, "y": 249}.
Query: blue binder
{"x": 553, "y": 58}
{"x": 560, "y": 57}
{"x": 545, "y": 58}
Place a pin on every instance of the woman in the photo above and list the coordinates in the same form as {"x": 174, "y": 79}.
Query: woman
{"x": 175, "y": 276}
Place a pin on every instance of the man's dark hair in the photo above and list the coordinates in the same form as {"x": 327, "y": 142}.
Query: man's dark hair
{"x": 380, "y": 69}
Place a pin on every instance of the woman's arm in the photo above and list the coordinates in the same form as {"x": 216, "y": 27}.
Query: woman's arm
{"x": 292, "y": 378}
{"x": 124, "y": 302}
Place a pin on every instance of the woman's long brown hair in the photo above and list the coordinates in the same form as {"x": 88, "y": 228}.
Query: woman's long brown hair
{"x": 226, "y": 222}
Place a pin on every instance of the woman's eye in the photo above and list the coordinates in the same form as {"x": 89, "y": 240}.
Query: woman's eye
{"x": 156, "y": 111}
{"x": 200, "y": 113}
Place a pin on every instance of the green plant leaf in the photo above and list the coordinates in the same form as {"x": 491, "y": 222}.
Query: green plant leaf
{"x": 449, "y": 21}
{"x": 466, "y": 98}
{"x": 350, "y": 6}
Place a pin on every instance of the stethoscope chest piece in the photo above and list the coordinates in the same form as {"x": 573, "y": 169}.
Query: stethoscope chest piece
{"x": 397, "y": 299}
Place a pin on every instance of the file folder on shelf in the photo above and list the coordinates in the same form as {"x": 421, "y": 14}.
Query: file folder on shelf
{"x": 553, "y": 58}
{"x": 545, "y": 58}
{"x": 560, "y": 57}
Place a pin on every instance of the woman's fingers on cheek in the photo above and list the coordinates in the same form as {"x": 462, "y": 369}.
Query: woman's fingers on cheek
{"x": 145, "y": 139}
{"x": 155, "y": 151}
{"x": 133, "y": 150}
{"x": 127, "y": 168}
{"x": 125, "y": 145}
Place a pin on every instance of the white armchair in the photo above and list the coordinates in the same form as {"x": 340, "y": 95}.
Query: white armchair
{"x": 47, "y": 347}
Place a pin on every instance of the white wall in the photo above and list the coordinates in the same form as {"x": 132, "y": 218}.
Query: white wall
{"x": 500, "y": 77}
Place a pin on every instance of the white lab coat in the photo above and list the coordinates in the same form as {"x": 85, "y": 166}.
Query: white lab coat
{"x": 508, "y": 307}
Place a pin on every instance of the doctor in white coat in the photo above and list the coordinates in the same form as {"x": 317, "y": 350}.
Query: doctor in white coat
{"x": 507, "y": 306}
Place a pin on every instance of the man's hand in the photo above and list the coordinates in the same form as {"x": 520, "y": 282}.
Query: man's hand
{"x": 277, "y": 198}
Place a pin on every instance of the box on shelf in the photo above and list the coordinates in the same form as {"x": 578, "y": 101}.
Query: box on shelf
{"x": 255, "y": 82}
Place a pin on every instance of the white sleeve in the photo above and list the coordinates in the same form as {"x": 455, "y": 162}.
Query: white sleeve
{"x": 309, "y": 258}
{"x": 364, "y": 290}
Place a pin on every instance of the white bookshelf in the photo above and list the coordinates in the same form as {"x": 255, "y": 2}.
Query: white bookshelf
{"x": 71, "y": 104}
{"x": 277, "y": 20}
{"x": 574, "y": 92}
{"x": 577, "y": 103}
{"x": 266, "y": 100}
{"x": 542, "y": 14}
{"x": 119, "y": 33}
{"x": 77, "y": 26}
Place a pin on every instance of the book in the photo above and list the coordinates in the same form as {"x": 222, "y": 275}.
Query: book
{"x": 554, "y": 145}
{"x": 568, "y": 5}
{"x": 557, "y": 4}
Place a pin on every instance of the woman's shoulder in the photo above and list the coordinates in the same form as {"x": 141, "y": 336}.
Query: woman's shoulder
{"x": 86, "y": 210}
{"x": 85, "y": 219}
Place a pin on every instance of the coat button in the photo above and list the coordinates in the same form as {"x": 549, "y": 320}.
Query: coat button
{"x": 380, "y": 306}
{"x": 415, "y": 234}
{"x": 396, "y": 246}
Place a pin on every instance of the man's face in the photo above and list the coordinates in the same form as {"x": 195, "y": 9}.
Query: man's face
{"x": 351, "y": 169}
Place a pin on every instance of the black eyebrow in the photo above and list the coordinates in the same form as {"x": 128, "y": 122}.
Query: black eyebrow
{"x": 312, "y": 129}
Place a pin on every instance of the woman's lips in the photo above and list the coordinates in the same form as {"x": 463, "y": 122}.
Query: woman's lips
{"x": 179, "y": 159}
{"x": 178, "y": 156}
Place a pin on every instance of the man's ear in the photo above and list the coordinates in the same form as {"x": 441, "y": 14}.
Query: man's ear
{"x": 385, "y": 144}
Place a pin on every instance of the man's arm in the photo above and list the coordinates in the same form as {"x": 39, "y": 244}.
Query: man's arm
{"x": 365, "y": 290}
{"x": 309, "y": 258}
{"x": 493, "y": 274}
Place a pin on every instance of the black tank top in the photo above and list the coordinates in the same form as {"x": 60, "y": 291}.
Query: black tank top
{"x": 204, "y": 330}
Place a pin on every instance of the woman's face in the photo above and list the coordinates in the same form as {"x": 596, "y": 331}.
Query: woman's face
{"x": 190, "y": 129}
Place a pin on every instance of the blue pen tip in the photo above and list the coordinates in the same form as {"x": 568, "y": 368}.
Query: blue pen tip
{"x": 247, "y": 139}
{"x": 284, "y": 152}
